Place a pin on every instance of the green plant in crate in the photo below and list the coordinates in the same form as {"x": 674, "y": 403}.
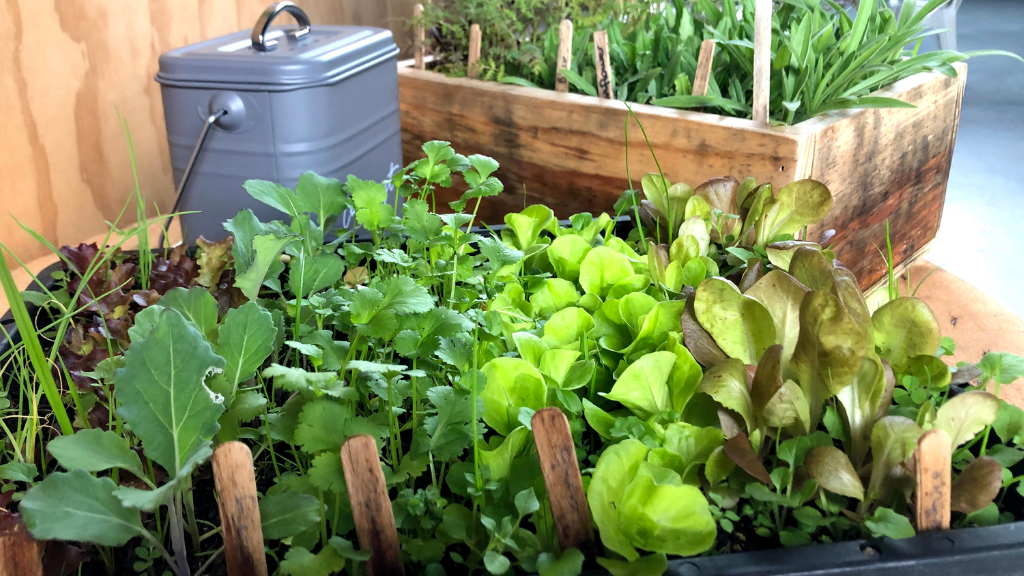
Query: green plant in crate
{"x": 721, "y": 375}
{"x": 822, "y": 58}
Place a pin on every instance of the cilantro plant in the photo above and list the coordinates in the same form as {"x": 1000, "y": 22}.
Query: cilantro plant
{"x": 726, "y": 384}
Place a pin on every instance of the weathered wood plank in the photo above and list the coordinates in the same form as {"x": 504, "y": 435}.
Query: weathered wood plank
{"x": 564, "y": 60}
{"x": 933, "y": 461}
{"x": 567, "y": 150}
{"x": 371, "y": 507}
{"x": 887, "y": 164}
{"x": 235, "y": 480}
{"x": 562, "y": 478}
{"x": 19, "y": 555}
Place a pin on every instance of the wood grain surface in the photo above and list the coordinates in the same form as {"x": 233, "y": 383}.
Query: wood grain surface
{"x": 371, "y": 506}
{"x": 235, "y": 479}
{"x": 18, "y": 553}
{"x": 933, "y": 460}
{"x": 561, "y": 471}
{"x": 569, "y": 151}
{"x": 68, "y": 67}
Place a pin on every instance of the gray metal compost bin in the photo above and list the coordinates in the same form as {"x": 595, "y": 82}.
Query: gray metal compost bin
{"x": 323, "y": 99}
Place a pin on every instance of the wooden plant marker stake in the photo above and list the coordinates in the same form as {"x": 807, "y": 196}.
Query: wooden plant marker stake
{"x": 473, "y": 65}
{"x": 603, "y": 64}
{"x": 562, "y": 478}
{"x": 934, "y": 470}
{"x": 564, "y": 59}
{"x": 419, "y": 38}
{"x": 18, "y": 553}
{"x": 235, "y": 480}
{"x": 762, "y": 58}
{"x": 371, "y": 507}
{"x": 702, "y": 77}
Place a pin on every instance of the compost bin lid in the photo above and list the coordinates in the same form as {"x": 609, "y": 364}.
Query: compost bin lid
{"x": 323, "y": 55}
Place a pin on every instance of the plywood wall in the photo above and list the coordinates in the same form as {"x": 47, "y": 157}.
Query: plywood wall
{"x": 68, "y": 67}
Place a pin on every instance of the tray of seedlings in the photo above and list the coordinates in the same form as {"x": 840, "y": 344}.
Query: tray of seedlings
{"x": 698, "y": 390}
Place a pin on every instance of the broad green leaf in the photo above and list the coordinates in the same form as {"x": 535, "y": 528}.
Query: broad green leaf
{"x": 787, "y": 407}
{"x": 861, "y": 404}
{"x": 512, "y": 383}
{"x": 904, "y": 328}
{"x": 885, "y": 522}
{"x": 307, "y": 275}
{"x": 832, "y": 469}
{"x": 726, "y": 382}
{"x": 245, "y": 339}
{"x": 566, "y": 254}
{"x": 144, "y": 322}
{"x": 524, "y": 228}
{"x": 286, "y": 514}
{"x": 499, "y": 460}
{"x": 977, "y": 485}
{"x": 643, "y": 385}
{"x": 273, "y": 195}
{"x": 1001, "y": 367}
{"x": 553, "y": 295}
{"x": 162, "y": 393}
{"x": 965, "y": 415}
{"x": 79, "y": 507}
{"x": 299, "y": 561}
{"x": 325, "y": 425}
{"x": 661, "y": 514}
{"x": 322, "y": 196}
{"x": 650, "y": 565}
{"x": 267, "y": 248}
{"x": 930, "y": 371}
{"x": 297, "y": 379}
{"x": 567, "y": 327}
{"x": 601, "y": 269}
{"x": 829, "y": 351}
{"x": 780, "y": 254}
{"x": 149, "y": 500}
{"x": 244, "y": 228}
{"x": 798, "y": 204}
{"x": 809, "y": 267}
{"x": 740, "y": 325}
{"x": 1009, "y": 422}
{"x": 450, "y": 428}
{"x": 601, "y": 421}
{"x": 615, "y": 469}
{"x": 781, "y": 295}
{"x": 195, "y": 304}
{"x": 893, "y": 440}
{"x": 371, "y": 202}
{"x": 568, "y": 563}
{"x": 686, "y": 373}
{"x": 95, "y": 450}
{"x": 686, "y": 448}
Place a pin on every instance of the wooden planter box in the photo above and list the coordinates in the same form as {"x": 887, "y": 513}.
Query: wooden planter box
{"x": 568, "y": 151}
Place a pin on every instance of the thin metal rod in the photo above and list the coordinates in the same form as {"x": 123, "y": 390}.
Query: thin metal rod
{"x": 188, "y": 171}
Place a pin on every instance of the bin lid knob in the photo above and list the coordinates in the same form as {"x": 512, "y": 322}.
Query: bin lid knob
{"x": 260, "y": 42}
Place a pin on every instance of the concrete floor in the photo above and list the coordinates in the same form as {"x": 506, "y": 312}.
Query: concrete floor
{"x": 983, "y": 220}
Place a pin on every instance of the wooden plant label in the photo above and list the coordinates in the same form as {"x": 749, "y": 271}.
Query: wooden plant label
{"x": 18, "y": 553}
{"x": 419, "y": 38}
{"x": 563, "y": 481}
{"x": 371, "y": 507}
{"x": 702, "y": 77}
{"x": 564, "y": 59}
{"x": 934, "y": 471}
{"x": 235, "y": 480}
{"x": 473, "y": 65}
{"x": 762, "y": 58}
{"x": 603, "y": 63}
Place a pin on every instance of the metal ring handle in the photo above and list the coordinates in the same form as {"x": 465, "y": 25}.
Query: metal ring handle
{"x": 259, "y": 31}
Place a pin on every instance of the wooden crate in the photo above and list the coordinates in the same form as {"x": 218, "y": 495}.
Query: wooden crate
{"x": 568, "y": 151}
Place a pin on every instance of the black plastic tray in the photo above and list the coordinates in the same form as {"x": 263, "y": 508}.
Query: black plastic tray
{"x": 990, "y": 551}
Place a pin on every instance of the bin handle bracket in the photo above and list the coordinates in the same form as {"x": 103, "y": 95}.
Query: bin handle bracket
{"x": 260, "y": 42}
